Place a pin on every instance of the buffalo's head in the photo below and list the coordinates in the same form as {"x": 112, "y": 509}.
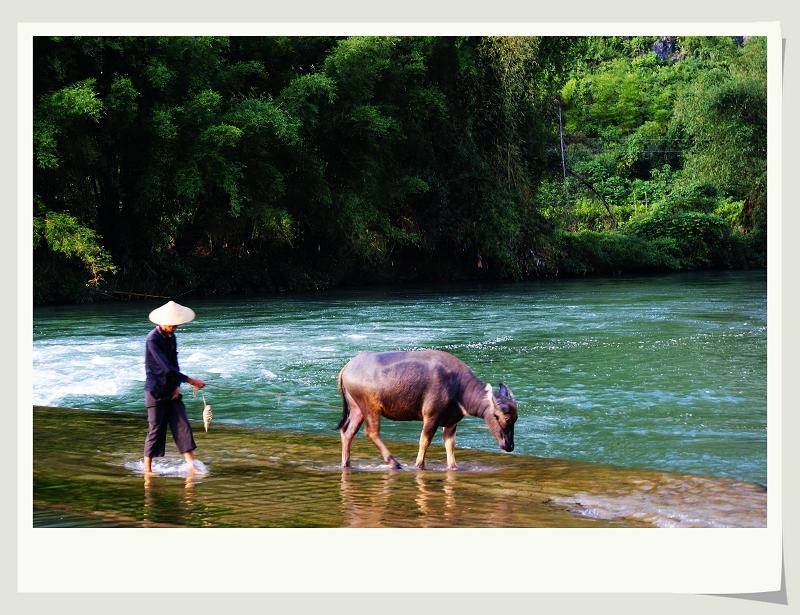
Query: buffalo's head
{"x": 500, "y": 415}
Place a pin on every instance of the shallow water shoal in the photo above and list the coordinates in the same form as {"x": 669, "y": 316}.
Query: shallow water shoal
{"x": 87, "y": 473}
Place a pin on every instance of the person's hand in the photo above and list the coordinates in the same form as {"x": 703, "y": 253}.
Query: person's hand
{"x": 176, "y": 393}
{"x": 196, "y": 382}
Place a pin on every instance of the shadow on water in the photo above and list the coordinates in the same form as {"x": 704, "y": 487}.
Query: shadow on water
{"x": 87, "y": 473}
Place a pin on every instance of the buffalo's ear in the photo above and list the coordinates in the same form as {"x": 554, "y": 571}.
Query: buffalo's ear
{"x": 506, "y": 392}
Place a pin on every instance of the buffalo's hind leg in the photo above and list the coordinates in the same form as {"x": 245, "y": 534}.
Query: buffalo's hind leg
{"x": 350, "y": 429}
{"x": 373, "y": 429}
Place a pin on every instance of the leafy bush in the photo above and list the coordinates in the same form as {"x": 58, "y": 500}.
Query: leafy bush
{"x": 63, "y": 234}
{"x": 590, "y": 215}
{"x": 591, "y": 252}
{"x": 730, "y": 211}
{"x": 58, "y": 279}
{"x": 704, "y": 240}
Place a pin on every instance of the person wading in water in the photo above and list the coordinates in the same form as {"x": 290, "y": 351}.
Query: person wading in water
{"x": 162, "y": 387}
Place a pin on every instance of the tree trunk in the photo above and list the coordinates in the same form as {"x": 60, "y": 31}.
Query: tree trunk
{"x": 108, "y": 218}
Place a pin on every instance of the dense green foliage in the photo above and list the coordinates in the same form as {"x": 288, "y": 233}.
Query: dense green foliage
{"x": 218, "y": 165}
{"x": 669, "y": 148}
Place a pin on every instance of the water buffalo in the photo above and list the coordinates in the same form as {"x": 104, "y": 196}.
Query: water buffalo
{"x": 427, "y": 385}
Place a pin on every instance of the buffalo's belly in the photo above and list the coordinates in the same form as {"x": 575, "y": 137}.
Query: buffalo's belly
{"x": 446, "y": 415}
{"x": 396, "y": 414}
{"x": 401, "y": 409}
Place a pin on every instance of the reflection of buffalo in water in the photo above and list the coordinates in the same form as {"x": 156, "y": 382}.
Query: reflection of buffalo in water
{"x": 366, "y": 504}
{"x": 424, "y": 499}
{"x": 427, "y": 499}
{"x": 429, "y": 386}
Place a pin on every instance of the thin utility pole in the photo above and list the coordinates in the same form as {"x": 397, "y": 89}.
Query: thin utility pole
{"x": 563, "y": 159}
{"x": 561, "y": 134}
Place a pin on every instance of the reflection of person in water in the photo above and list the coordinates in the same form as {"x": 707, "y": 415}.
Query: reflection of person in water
{"x": 162, "y": 390}
{"x": 159, "y": 506}
{"x": 148, "y": 499}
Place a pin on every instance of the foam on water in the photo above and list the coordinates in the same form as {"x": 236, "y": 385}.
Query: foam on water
{"x": 692, "y": 502}
{"x": 437, "y": 467}
{"x": 63, "y": 371}
{"x": 242, "y": 352}
{"x": 52, "y": 386}
{"x": 101, "y": 361}
{"x": 356, "y": 467}
{"x": 168, "y": 467}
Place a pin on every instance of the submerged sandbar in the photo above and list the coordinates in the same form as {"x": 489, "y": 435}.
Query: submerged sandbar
{"x": 87, "y": 473}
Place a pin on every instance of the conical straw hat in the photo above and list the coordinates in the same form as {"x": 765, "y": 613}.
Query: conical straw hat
{"x": 172, "y": 313}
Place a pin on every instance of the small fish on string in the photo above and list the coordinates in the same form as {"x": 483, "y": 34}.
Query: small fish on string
{"x": 207, "y": 414}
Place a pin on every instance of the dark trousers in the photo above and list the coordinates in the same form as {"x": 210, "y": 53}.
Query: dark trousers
{"x": 161, "y": 413}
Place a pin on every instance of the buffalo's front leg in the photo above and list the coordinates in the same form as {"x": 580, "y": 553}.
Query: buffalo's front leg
{"x": 372, "y": 426}
{"x": 349, "y": 430}
{"x": 449, "y": 434}
{"x": 428, "y": 429}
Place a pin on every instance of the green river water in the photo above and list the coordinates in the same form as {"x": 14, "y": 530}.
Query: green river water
{"x": 659, "y": 383}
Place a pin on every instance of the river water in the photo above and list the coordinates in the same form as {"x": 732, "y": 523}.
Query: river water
{"x": 665, "y": 373}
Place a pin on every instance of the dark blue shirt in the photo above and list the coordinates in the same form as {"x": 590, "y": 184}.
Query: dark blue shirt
{"x": 161, "y": 365}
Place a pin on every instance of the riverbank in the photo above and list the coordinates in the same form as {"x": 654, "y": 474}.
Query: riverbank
{"x": 87, "y": 473}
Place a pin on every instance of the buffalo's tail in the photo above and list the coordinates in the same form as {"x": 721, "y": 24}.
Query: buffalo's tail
{"x": 345, "y": 408}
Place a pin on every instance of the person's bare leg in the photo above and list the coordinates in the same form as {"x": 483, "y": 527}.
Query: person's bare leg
{"x": 148, "y": 465}
{"x": 188, "y": 456}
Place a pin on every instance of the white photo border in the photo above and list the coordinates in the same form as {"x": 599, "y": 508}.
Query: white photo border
{"x": 307, "y": 560}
